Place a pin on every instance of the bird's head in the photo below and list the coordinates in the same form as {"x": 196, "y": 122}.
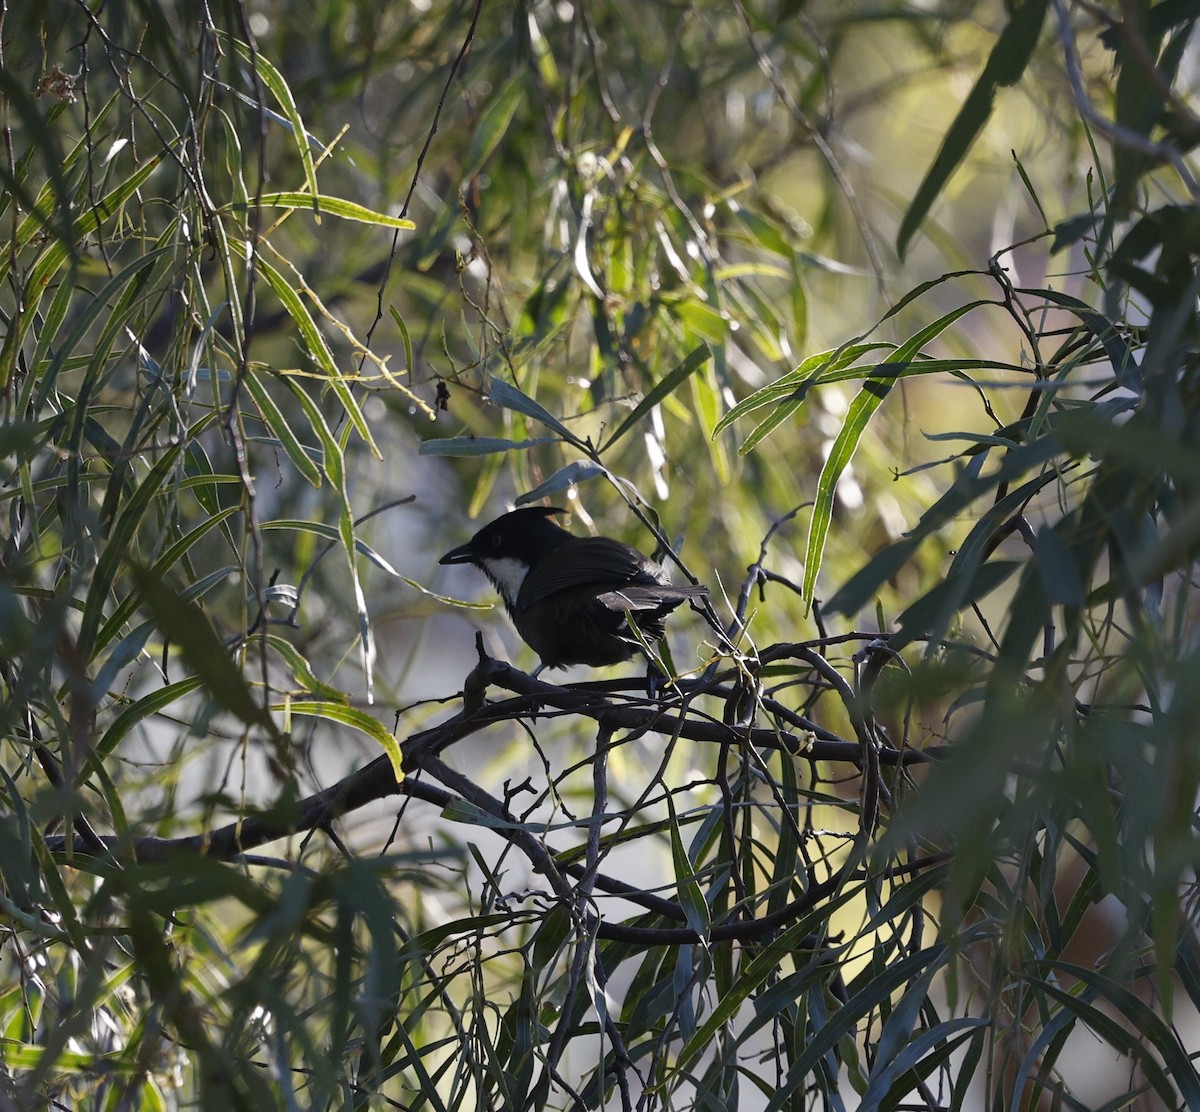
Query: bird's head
{"x": 506, "y": 549}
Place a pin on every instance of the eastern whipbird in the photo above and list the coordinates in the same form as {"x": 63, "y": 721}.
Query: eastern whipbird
{"x": 572, "y": 598}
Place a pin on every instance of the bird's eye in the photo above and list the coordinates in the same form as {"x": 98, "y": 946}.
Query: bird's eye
{"x": 497, "y": 541}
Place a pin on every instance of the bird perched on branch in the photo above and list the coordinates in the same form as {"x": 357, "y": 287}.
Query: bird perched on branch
{"x": 572, "y": 598}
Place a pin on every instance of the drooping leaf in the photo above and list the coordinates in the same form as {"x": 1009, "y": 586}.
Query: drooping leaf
{"x": 187, "y": 626}
{"x": 1005, "y": 65}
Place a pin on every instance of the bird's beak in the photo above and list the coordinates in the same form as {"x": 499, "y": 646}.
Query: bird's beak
{"x": 463, "y": 554}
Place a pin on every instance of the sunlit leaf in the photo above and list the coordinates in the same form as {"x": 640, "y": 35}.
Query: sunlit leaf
{"x": 322, "y": 203}
{"x": 1005, "y": 65}
{"x": 344, "y": 715}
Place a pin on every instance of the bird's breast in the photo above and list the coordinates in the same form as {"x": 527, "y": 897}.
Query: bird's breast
{"x": 507, "y": 575}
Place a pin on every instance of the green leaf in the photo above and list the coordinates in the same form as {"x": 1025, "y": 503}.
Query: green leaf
{"x": 564, "y": 478}
{"x": 335, "y": 468}
{"x": 480, "y": 445}
{"x": 278, "y": 426}
{"x": 859, "y": 589}
{"x": 144, "y": 708}
{"x": 322, "y": 203}
{"x": 301, "y": 670}
{"x": 862, "y": 409}
{"x": 508, "y": 396}
{"x": 702, "y": 319}
{"x": 21, "y": 438}
{"x": 691, "y": 897}
{"x": 1005, "y": 65}
{"x": 184, "y": 623}
{"x": 930, "y": 615}
{"x": 1061, "y": 574}
{"x": 1107, "y": 332}
{"x": 331, "y": 533}
{"x": 943, "y": 1039}
{"x": 36, "y": 129}
{"x": 405, "y": 337}
{"x": 118, "y": 544}
{"x": 345, "y": 715}
{"x": 665, "y": 387}
{"x": 1144, "y": 1027}
{"x": 795, "y": 381}
{"x": 124, "y": 611}
{"x": 871, "y": 995}
{"x": 275, "y": 82}
{"x": 316, "y": 345}
{"x": 460, "y": 810}
{"x": 494, "y": 123}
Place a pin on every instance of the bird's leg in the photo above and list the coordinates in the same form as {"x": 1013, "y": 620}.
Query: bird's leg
{"x": 537, "y": 705}
{"x": 660, "y": 668}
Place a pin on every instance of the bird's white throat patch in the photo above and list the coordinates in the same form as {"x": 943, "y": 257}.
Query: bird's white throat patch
{"x": 507, "y": 574}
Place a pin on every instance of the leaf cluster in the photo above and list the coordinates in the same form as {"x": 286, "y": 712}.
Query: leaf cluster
{"x": 267, "y": 278}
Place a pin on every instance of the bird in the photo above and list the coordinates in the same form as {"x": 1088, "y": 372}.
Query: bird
{"x": 572, "y": 598}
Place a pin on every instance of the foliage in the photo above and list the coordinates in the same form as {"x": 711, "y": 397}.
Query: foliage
{"x": 914, "y": 818}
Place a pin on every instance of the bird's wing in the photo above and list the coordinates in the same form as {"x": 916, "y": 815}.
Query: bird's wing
{"x": 657, "y": 597}
{"x": 598, "y": 562}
